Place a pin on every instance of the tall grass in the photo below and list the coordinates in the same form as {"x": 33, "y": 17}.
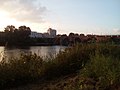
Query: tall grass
{"x": 20, "y": 70}
{"x": 102, "y": 72}
{"x": 98, "y": 62}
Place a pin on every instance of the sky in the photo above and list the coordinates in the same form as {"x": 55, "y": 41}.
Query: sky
{"x": 78, "y": 16}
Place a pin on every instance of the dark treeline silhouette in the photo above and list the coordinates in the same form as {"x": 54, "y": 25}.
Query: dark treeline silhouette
{"x": 21, "y": 36}
{"x": 13, "y": 36}
{"x": 73, "y": 38}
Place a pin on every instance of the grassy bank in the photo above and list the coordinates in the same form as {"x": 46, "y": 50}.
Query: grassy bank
{"x": 97, "y": 67}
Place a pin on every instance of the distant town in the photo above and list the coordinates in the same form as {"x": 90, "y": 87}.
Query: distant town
{"x": 25, "y": 36}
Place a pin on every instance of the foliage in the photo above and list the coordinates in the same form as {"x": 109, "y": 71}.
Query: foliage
{"x": 15, "y": 36}
{"x": 103, "y": 69}
{"x": 98, "y": 66}
{"x": 23, "y": 69}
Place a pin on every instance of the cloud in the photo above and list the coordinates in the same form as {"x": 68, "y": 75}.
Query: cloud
{"x": 117, "y": 30}
{"x": 24, "y": 10}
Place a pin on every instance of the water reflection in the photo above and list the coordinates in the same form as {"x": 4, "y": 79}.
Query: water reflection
{"x": 39, "y": 50}
{"x": 1, "y": 53}
{"x": 46, "y": 50}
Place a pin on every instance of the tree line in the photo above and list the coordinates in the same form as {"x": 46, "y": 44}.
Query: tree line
{"x": 14, "y": 36}
{"x": 21, "y": 36}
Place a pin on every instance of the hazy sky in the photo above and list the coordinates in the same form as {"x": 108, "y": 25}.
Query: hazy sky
{"x": 78, "y": 16}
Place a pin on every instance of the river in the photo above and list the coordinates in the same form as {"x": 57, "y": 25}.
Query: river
{"x": 39, "y": 50}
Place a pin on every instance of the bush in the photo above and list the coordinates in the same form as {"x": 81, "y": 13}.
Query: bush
{"x": 20, "y": 70}
{"x": 98, "y": 64}
{"x": 103, "y": 69}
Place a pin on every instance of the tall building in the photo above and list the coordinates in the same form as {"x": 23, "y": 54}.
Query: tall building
{"x": 52, "y": 32}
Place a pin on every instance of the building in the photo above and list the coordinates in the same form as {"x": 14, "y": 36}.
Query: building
{"x": 52, "y": 32}
{"x": 46, "y": 35}
{"x": 36, "y": 35}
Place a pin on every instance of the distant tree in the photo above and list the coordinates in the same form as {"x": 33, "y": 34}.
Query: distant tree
{"x": 71, "y": 38}
{"x": 76, "y": 34}
{"x": 23, "y": 33}
{"x": 115, "y": 40}
{"x": 9, "y": 34}
{"x": 77, "y": 40}
{"x": 64, "y": 40}
{"x": 64, "y": 35}
{"x": 71, "y": 34}
{"x": 82, "y": 35}
{"x": 9, "y": 28}
{"x": 16, "y": 36}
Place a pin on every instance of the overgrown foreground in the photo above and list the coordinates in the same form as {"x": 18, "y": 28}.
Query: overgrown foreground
{"x": 96, "y": 67}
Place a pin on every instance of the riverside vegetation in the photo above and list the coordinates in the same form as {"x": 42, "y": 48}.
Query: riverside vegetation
{"x": 96, "y": 67}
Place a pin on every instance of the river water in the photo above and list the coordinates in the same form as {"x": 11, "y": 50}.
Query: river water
{"x": 39, "y": 50}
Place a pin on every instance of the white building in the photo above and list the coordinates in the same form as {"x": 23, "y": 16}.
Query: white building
{"x": 36, "y": 35}
{"x": 46, "y": 35}
{"x": 52, "y": 32}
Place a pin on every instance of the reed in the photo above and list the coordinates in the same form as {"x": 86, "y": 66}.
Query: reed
{"x": 99, "y": 62}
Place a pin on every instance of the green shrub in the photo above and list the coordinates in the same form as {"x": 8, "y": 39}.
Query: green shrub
{"x": 19, "y": 70}
{"x": 105, "y": 71}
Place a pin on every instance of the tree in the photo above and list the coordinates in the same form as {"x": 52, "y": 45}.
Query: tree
{"x": 17, "y": 36}
{"x": 24, "y": 34}
{"x": 10, "y": 28}
{"x": 25, "y": 31}
{"x": 9, "y": 34}
{"x": 71, "y": 35}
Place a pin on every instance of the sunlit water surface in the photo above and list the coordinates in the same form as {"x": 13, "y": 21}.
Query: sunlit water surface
{"x": 43, "y": 51}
